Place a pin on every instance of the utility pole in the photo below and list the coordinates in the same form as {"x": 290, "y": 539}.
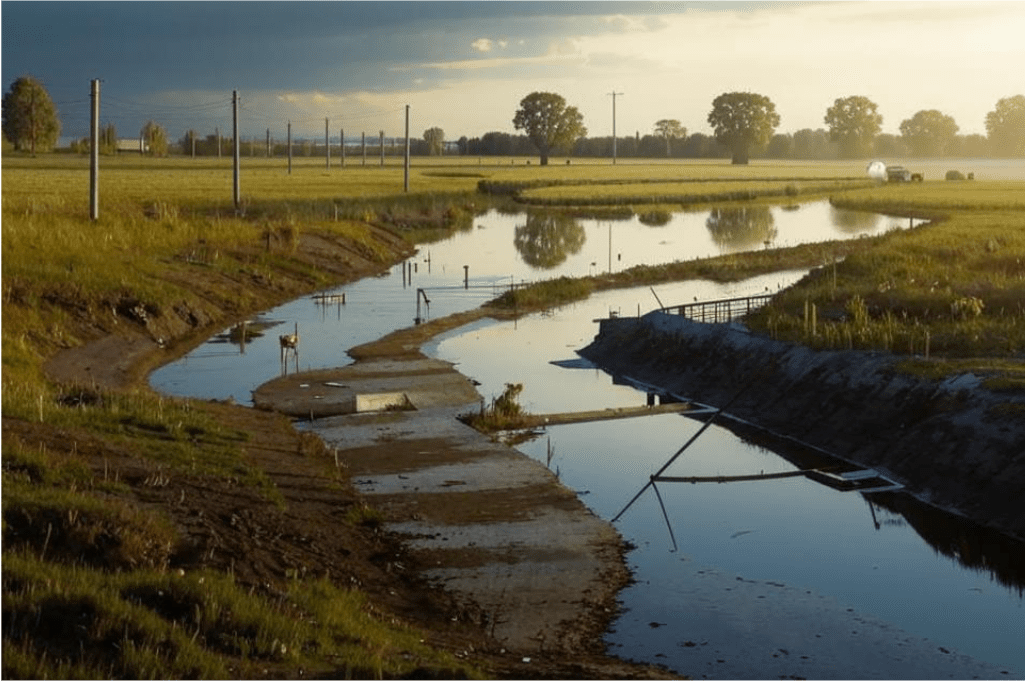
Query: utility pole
{"x": 290, "y": 147}
{"x": 327, "y": 141}
{"x": 364, "y": 138}
{"x": 235, "y": 149}
{"x": 217, "y": 133}
{"x": 268, "y": 142}
{"x": 382, "y": 148}
{"x": 405, "y": 174}
{"x": 94, "y": 154}
{"x": 341, "y": 139}
{"x": 614, "y": 125}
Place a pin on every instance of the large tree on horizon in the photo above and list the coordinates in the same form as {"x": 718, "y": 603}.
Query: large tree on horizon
{"x": 742, "y": 120}
{"x": 670, "y": 129}
{"x": 435, "y": 138}
{"x": 1005, "y": 126}
{"x": 854, "y": 123}
{"x": 549, "y": 122}
{"x": 30, "y": 119}
{"x": 928, "y": 132}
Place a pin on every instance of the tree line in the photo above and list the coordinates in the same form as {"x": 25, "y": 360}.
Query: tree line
{"x": 744, "y": 126}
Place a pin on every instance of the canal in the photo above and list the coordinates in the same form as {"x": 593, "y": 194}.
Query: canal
{"x": 734, "y": 580}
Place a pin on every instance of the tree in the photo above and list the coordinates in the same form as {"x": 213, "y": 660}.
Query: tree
{"x": 155, "y": 137}
{"x": 435, "y": 138}
{"x": 549, "y": 123}
{"x": 548, "y": 239}
{"x": 854, "y": 122}
{"x": 1005, "y": 126}
{"x": 108, "y": 139}
{"x": 30, "y": 119}
{"x": 669, "y": 129}
{"x": 928, "y": 133}
{"x": 742, "y": 120}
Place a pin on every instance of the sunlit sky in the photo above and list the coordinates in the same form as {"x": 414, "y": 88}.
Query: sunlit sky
{"x": 464, "y": 66}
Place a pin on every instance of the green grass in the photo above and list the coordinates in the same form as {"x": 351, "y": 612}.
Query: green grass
{"x": 682, "y": 192}
{"x": 79, "y": 623}
{"x": 953, "y": 288}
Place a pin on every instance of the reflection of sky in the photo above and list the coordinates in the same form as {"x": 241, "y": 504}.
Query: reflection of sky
{"x": 792, "y": 531}
{"x": 522, "y": 351}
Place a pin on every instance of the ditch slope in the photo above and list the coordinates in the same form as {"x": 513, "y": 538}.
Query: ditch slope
{"x": 954, "y": 443}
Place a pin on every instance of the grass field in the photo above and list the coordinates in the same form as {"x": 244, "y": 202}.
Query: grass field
{"x": 953, "y": 289}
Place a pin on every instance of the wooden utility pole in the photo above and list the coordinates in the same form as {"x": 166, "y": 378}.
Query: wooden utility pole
{"x": 236, "y": 148}
{"x": 327, "y": 142}
{"x": 341, "y": 140}
{"x": 290, "y": 147}
{"x": 364, "y": 148}
{"x": 405, "y": 162}
{"x": 217, "y": 133}
{"x": 382, "y": 148}
{"x": 268, "y": 142}
{"x": 94, "y": 155}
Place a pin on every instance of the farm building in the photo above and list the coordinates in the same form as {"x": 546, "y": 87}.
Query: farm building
{"x": 129, "y": 146}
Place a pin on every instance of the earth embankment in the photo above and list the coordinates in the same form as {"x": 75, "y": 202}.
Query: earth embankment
{"x": 954, "y": 442}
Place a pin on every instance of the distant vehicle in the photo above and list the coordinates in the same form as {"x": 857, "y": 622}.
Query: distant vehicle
{"x": 897, "y": 174}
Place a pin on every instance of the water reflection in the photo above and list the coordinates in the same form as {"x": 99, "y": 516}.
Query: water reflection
{"x": 547, "y": 239}
{"x": 854, "y": 221}
{"x": 741, "y": 228}
{"x": 970, "y": 545}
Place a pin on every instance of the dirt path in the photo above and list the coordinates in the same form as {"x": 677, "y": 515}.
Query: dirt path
{"x": 495, "y": 528}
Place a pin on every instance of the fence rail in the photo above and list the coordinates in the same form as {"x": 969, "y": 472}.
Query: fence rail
{"x": 719, "y": 311}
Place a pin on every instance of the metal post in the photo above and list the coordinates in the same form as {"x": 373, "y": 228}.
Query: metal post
{"x": 405, "y": 174}
{"x": 94, "y": 155}
{"x": 236, "y": 147}
{"x": 614, "y": 125}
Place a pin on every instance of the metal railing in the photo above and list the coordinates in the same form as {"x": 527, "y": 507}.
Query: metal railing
{"x": 719, "y": 311}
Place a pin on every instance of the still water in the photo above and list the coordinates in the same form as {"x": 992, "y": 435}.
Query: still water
{"x": 758, "y": 567}
{"x": 497, "y": 249}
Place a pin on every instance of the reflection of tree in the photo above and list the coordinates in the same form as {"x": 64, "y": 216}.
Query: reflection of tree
{"x": 741, "y": 228}
{"x": 853, "y": 221}
{"x": 548, "y": 239}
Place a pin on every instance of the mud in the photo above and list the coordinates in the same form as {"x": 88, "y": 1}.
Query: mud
{"x": 953, "y": 443}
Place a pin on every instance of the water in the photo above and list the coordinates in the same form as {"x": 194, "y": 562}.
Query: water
{"x": 761, "y": 567}
{"x": 803, "y": 552}
{"x": 499, "y": 249}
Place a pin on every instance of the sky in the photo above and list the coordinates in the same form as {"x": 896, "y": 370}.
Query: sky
{"x": 465, "y": 66}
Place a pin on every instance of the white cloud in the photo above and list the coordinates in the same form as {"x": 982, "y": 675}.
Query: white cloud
{"x": 481, "y": 44}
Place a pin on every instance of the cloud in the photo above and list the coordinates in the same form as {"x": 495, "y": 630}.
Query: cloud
{"x": 481, "y": 44}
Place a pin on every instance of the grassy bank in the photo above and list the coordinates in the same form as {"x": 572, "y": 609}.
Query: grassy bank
{"x": 954, "y": 288}
{"x": 101, "y": 573}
